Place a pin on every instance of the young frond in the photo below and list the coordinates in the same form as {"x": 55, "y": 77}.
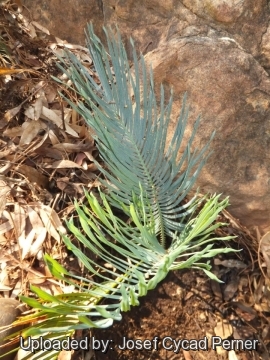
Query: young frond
{"x": 131, "y": 133}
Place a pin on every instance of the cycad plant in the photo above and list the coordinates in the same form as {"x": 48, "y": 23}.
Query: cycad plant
{"x": 145, "y": 181}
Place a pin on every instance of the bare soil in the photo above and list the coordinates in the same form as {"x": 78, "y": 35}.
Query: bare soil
{"x": 182, "y": 307}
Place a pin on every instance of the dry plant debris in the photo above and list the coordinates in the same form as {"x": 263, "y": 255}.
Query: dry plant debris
{"x": 46, "y": 153}
{"x": 46, "y": 158}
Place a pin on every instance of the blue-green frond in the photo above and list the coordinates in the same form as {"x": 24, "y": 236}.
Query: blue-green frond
{"x": 131, "y": 132}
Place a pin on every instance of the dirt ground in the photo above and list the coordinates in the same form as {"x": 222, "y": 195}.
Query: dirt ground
{"x": 184, "y": 306}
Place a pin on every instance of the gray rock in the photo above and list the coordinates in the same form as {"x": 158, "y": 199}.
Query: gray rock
{"x": 216, "y": 50}
{"x": 8, "y": 314}
{"x": 232, "y": 91}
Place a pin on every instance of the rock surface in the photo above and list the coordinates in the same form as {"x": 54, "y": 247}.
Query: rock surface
{"x": 9, "y": 313}
{"x": 218, "y": 51}
{"x": 232, "y": 91}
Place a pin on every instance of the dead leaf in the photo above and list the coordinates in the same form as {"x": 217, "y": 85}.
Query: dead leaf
{"x": 35, "y": 277}
{"x": 37, "y": 244}
{"x": 49, "y": 152}
{"x": 8, "y": 71}
{"x": 230, "y": 289}
{"x": 52, "y": 115}
{"x": 50, "y": 220}
{"x": 31, "y": 130}
{"x": 33, "y": 175}
{"x": 69, "y": 148}
{"x": 187, "y": 355}
{"x": 34, "y": 111}
{"x": 232, "y": 355}
{"x": 4, "y": 191}
{"x": 13, "y": 132}
{"x": 40, "y": 27}
{"x": 6, "y": 226}
{"x": 63, "y": 164}
{"x": 18, "y": 218}
{"x": 244, "y": 312}
{"x": 11, "y": 113}
{"x": 223, "y": 329}
{"x": 26, "y": 243}
{"x": 230, "y": 263}
{"x": 69, "y": 188}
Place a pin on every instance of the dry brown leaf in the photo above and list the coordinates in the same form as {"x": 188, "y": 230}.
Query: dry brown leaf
{"x": 230, "y": 289}
{"x": 266, "y": 332}
{"x": 31, "y": 130}
{"x": 49, "y": 152}
{"x": 62, "y": 183}
{"x": 4, "y": 191}
{"x": 4, "y": 279}
{"x": 55, "y": 218}
{"x": 63, "y": 164}
{"x": 50, "y": 220}
{"x": 72, "y": 189}
{"x": 31, "y": 30}
{"x": 232, "y": 355}
{"x": 3, "y": 240}
{"x": 35, "y": 220}
{"x": 16, "y": 219}
{"x": 215, "y": 286}
{"x": 262, "y": 307}
{"x": 52, "y": 115}
{"x": 34, "y": 111}
{"x": 4, "y": 287}
{"x": 13, "y": 132}
{"x": 47, "y": 221}
{"x": 65, "y": 355}
{"x": 5, "y": 153}
{"x": 36, "y": 277}
{"x": 49, "y": 114}
{"x": 17, "y": 289}
{"x": 33, "y": 175}
{"x": 187, "y": 355}
{"x": 37, "y": 244}
{"x": 92, "y": 167}
{"x": 223, "y": 329}
{"x": 53, "y": 138}
{"x": 8, "y": 71}
{"x": 36, "y": 237}
{"x": 40, "y": 27}
{"x": 50, "y": 93}
{"x": 79, "y": 158}
{"x": 230, "y": 263}
{"x": 26, "y": 243}
{"x": 6, "y": 226}
{"x": 69, "y": 148}
{"x": 258, "y": 286}
{"x": 244, "y": 311}
{"x": 11, "y": 113}
{"x": 89, "y": 155}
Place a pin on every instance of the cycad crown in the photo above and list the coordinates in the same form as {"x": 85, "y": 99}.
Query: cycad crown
{"x": 145, "y": 181}
{"x": 131, "y": 133}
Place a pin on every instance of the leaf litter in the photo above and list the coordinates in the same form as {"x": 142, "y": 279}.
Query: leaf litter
{"x": 47, "y": 157}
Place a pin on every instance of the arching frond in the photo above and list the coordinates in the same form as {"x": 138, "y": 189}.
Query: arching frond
{"x": 131, "y": 133}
